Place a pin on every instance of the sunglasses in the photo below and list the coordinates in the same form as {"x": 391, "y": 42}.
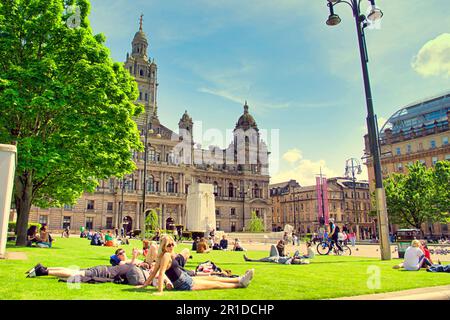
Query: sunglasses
{"x": 121, "y": 253}
{"x": 171, "y": 245}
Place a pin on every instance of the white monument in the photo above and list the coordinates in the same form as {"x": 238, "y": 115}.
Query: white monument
{"x": 7, "y": 169}
{"x": 201, "y": 208}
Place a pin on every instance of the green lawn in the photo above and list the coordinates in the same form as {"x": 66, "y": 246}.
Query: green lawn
{"x": 326, "y": 277}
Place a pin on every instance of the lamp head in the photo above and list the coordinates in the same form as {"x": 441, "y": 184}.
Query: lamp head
{"x": 375, "y": 14}
{"x": 333, "y": 20}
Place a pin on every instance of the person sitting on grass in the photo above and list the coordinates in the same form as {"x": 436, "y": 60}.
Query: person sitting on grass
{"x": 109, "y": 240}
{"x": 309, "y": 255}
{"x": 96, "y": 240}
{"x": 45, "y": 239}
{"x": 237, "y": 245}
{"x": 202, "y": 246}
{"x": 152, "y": 251}
{"x": 414, "y": 258}
{"x": 276, "y": 255}
{"x": 195, "y": 244}
{"x": 32, "y": 236}
{"x": 168, "y": 263}
{"x": 224, "y": 243}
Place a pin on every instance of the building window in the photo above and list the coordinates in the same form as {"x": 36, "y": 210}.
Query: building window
{"x": 230, "y": 190}
{"x": 444, "y": 141}
{"x": 447, "y": 157}
{"x": 146, "y": 96}
{"x": 233, "y": 211}
{"x": 109, "y": 222}
{"x": 434, "y": 160}
{"x": 217, "y": 212}
{"x": 433, "y": 144}
{"x": 89, "y": 223}
{"x": 66, "y": 222}
{"x": 109, "y": 206}
{"x": 141, "y": 73}
{"x": 140, "y": 95}
{"x": 90, "y": 204}
{"x": 170, "y": 185}
{"x": 216, "y": 189}
{"x": 423, "y": 162}
{"x": 400, "y": 167}
{"x": 151, "y": 184}
{"x": 233, "y": 226}
{"x": 217, "y": 225}
{"x": 43, "y": 220}
{"x": 408, "y": 148}
{"x": 398, "y": 151}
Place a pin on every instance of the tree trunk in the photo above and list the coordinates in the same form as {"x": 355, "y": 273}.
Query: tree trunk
{"x": 22, "y": 197}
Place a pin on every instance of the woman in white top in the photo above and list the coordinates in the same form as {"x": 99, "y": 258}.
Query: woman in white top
{"x": 414, "y": 258}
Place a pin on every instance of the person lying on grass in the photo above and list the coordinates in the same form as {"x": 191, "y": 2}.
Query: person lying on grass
{"x": 414, "y": 258}
{"x": 170, "y": 264}
{"x": 120, "y": 257}
{"x": 276, "y": 255}
{"x": 126, "y": 273}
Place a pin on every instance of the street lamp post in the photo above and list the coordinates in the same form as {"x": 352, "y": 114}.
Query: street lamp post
{"x": 125, "y": 183}
{"x": 353, "y": 167}
{"x": 361, "y": 23}
{"x": 243, "y": 193}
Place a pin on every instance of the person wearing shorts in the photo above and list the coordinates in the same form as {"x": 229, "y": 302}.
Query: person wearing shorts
{"x": 172, "y": 265}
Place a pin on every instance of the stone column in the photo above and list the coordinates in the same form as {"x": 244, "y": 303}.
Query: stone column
{"x": 179, "y": 214}
{"x": 7, "y": 169}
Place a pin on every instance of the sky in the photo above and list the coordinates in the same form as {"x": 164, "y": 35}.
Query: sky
{"x": 301, "y": 78}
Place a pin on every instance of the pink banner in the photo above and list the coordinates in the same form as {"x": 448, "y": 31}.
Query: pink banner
{"x": 319, "y": 199}
{"x": 325, "y": 199}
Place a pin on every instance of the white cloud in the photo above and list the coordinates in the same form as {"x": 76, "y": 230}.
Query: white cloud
{"x": 302, "y": 170}
{"x": 292, "y": 155}
{"x": 433, "y": 58}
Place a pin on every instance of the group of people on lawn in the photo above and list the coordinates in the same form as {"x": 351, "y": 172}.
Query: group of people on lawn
{"x": 204, "y": 245}
{"x": 163, "y": 268}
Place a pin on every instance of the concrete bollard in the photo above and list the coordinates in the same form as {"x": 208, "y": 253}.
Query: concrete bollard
{"x": 7, "y": 169}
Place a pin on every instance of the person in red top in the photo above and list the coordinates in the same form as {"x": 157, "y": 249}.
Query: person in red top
{"x": 425, "y": 250}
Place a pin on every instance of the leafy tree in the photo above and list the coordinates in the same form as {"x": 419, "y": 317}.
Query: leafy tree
{"x": 256, "y": 224}
{"x": 63, "y": 101}
{"x": 151, "y": 220}
{"x": 420, "y": 196}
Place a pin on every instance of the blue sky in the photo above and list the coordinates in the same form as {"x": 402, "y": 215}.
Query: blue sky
{"x": 297, "y": 74}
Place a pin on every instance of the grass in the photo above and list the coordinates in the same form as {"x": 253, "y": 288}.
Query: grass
{"x": 326, "y": 277}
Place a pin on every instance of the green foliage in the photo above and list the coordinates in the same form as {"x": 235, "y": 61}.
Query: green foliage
{"x": 12, "y": 226}
{"x": 65, "y": 104}
{"x": 420, "y": 196}
{"x": 256, "y": 224}
{"x": 151, "y": 220}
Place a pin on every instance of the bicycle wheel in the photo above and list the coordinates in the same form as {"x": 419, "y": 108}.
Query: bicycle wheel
{"x": 323, "y": 248}
{"x": 347, "y": 251}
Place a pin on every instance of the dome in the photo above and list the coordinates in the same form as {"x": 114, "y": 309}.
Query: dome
{"x": 246, "y": 121}
{"x": 140, "y": 37}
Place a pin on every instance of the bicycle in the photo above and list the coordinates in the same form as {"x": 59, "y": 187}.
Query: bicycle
{"x": 323, "y": 248}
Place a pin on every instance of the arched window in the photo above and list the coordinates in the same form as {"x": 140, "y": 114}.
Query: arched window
{"x": 151, "y": 184}
{"x": 141, "y": 73}
{"x": 230, "y": 190}
{"x": 256, "y": 193}
{"x": 170, "y": 185}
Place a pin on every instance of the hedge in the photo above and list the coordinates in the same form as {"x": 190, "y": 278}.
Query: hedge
{"x": 12, "y": 226}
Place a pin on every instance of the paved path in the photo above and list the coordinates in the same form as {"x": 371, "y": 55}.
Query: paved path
{"x": 431, "y": 293}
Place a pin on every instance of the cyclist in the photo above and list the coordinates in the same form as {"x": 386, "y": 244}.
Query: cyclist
{"x": 333, "y": 236}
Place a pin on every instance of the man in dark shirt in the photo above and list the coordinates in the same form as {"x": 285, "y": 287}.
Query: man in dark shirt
{"x": 224, "y": 243}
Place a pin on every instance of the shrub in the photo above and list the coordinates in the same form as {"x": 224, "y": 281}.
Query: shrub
{"x": 12, "y": 226}
{"x": 256, "y": 224}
